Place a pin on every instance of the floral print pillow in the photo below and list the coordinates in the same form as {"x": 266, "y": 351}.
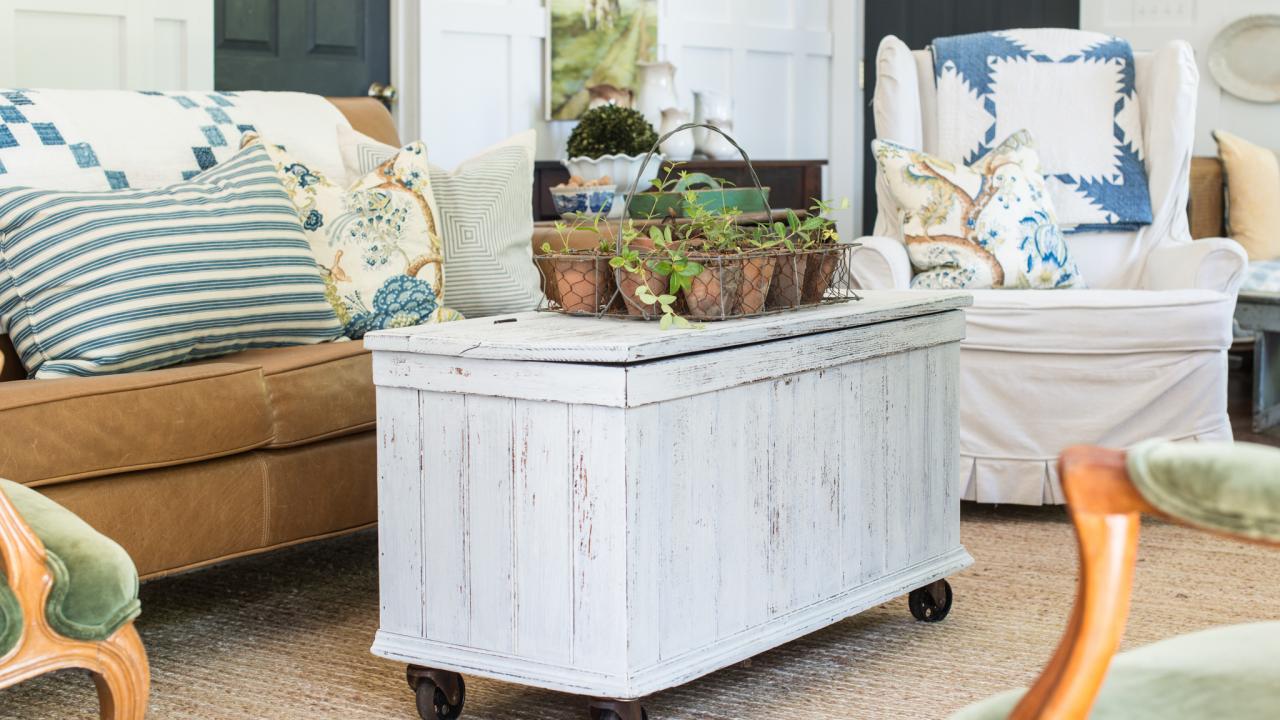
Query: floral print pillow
{"x": 377, "y": 242}
{"x": 987, "y": 225}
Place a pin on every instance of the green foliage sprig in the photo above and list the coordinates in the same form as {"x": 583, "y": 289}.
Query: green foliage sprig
{"x": 611, "y": 130}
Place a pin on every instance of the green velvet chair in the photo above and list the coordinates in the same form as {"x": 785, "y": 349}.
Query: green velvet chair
{"x": 68, "y": 597}
{"x": 1228, "y": 672}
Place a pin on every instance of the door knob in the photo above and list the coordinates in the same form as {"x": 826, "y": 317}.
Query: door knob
{"x": 386, "y": 92}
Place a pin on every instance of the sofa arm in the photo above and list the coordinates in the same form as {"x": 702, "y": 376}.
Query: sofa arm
{"x": 1207, "y": 264}
{"x": 880, "y": 263}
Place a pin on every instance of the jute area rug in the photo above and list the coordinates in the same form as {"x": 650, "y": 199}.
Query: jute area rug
{"x": 287, "y": 636}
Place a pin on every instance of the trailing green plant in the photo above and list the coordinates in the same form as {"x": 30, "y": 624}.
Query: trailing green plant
{"x": 611, "y": 130}
{"x": 715, "y": 230}
{"x": 566, "y": 230}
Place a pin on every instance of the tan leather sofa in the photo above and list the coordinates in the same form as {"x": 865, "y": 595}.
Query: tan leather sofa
{"x": 191, "y": 465}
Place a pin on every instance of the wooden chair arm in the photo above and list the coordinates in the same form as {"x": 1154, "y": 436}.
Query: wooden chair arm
{"x": 1106, "y": 510}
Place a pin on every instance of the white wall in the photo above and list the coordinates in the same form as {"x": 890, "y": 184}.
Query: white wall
{"x": 481, "y": 70}
{"x": 1151, "y": 23}
{"x": 121, "y": 44}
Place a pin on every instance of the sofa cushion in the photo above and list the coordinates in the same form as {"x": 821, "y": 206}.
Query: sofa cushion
{"x": 314, "y": 391}
{"x": 988, "y": 224}
{"x": 85, "y": 427}
{"x": 95, "y": 585}
{"x": 377, "y": 240}
{"x": 1099, "y": 321}
{"x": 1253, "y": 195}
{"x": 94, "y": 283}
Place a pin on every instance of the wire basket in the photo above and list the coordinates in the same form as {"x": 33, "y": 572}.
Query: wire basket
{"x": 735, "y": 284}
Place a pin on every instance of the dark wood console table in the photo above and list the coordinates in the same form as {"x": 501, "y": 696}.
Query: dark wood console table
{"x": 792, "y": 183}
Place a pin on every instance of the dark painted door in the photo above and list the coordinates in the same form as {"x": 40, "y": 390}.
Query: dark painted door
{"x": 328, "y": 47}
{"x": 918, "y": 22}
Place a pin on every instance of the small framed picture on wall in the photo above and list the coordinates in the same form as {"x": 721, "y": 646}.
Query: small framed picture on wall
{"x": 595, "y": 44}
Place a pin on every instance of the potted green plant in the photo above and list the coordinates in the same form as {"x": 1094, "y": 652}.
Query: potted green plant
{"x": 611, "y": 141}
{"x": 826, "y": 251}
{"x": 759, "y": 262}
{"x": 580, "y": 282}
{"x": 636, "y": 266}
{"x": 713, "y": 237}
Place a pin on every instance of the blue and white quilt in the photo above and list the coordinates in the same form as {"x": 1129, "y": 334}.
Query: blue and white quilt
{"x": 114, "y": 139}
{"x": 1074, "y": 91}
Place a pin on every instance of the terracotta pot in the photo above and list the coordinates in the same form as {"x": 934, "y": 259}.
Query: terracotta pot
{"x": 580, "y": 285}
{"x": 757, "y": 272}
{"x": 786, "y": 289}
{"x": 713, "y": 293}
{"x": 629, "y": 281}
{"x": 819, "y": 273}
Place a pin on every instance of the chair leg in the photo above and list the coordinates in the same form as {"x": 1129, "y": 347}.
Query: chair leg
{"x": 122, "y": 677}
{"x": 1106, "y": 511}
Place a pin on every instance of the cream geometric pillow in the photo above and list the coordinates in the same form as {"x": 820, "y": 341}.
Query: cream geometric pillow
{"x": 485, "y": 221}
{"x": 376, "y": 241}
{"x": 989, "y": 225}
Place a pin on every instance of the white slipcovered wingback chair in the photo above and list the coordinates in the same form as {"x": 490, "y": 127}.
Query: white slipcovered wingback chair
{"x": 1141, "y": 354}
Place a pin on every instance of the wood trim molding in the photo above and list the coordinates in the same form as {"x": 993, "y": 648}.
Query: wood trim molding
{"x": 406, "y": 67}
{"x": 118, "y": 664}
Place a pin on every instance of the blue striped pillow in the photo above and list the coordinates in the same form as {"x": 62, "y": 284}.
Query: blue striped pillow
{"x": 113, "y": 281}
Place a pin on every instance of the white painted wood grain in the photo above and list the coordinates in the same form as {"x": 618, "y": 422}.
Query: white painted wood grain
{"x": 490, "y": 522}
{"x": 872, "y": 479}
{"x": 446, "y": 597}
{"x": 637, "y": 384}
{"x": 653, "y": 678}
{"x": 647, "y": 530}
{"x": 400, "y": 568}
{"x": 589, "y": 384}
{"x": 561, "y": 338}
{"x": 544, "y": 566}
{"x": 599, "y": 537}
{"x": 619, "y": 550}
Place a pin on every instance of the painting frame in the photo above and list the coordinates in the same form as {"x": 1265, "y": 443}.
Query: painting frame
{"x": 555, "y": 103}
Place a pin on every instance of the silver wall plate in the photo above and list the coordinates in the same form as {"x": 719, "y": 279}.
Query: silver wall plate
{"x": 1244, "y": 58}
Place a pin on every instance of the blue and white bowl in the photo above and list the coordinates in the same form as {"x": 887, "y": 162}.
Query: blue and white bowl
{"x": 595, "y": 200}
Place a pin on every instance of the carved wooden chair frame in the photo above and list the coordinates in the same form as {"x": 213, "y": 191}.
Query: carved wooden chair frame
{"x": 1106, "y": 510}
{"x": 118, "y": 664}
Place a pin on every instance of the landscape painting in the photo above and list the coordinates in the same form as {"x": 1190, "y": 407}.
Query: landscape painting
{"x": 596, "y": 42}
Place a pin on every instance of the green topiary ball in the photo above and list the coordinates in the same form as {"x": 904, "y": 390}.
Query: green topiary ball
{"x": 611, "y": 130}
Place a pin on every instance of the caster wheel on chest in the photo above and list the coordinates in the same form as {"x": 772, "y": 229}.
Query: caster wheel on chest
{"x": 930, "y": 603}
{"x": 440, "y": 693}
{"x": 617, "y": 710}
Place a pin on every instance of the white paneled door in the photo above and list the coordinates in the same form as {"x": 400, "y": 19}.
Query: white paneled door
{"x": 107, "y": 44}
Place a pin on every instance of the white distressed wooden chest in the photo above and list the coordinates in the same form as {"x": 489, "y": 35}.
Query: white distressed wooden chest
{"x": 605, "y": 508}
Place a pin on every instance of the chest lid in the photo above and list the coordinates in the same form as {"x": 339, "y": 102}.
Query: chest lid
{"x": 552, "y": 337}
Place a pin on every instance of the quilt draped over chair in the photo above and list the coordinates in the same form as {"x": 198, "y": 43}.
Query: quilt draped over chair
{"x": 1141, "y": 354}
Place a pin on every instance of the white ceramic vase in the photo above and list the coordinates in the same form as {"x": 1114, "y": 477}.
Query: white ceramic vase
{"x": 708, "y": 106}
{"x": 680, "y": 145}
{"x": 657, "y": 83}
{"x": 716, "y": 146}
{"x": 621, "y": 169}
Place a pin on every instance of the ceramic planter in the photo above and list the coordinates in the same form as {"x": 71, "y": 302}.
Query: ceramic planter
{"x": 621, "y": 169}
{"x": 629, "y": 281}
{"x": 580, "y": 285}
{"x": 713, "y": 294}
{"x": 757, "y": 273}
{"x": 787, "y": 288}
{"x": 819, "y": 272}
